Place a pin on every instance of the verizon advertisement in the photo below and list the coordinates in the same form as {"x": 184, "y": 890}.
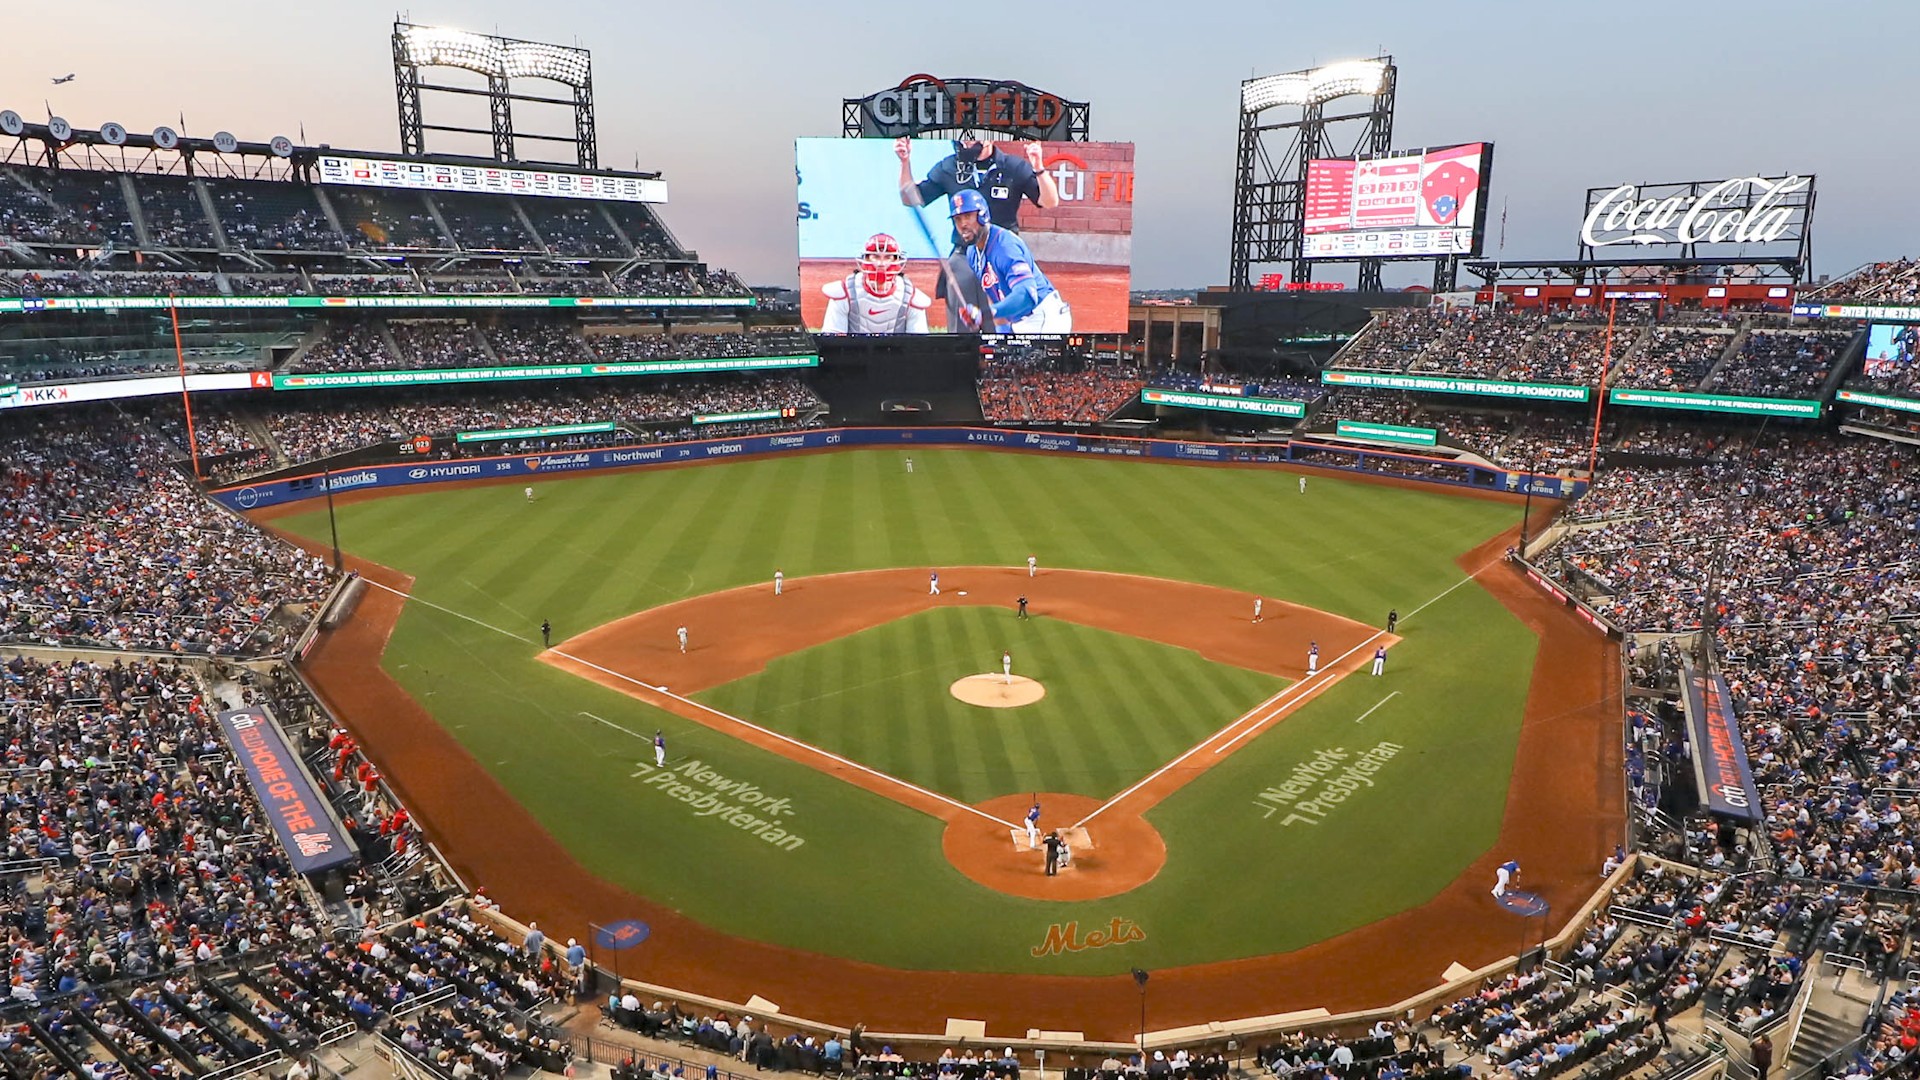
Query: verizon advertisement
{"x": 1749, "y": 210}
{"x": 1410, "y": 204}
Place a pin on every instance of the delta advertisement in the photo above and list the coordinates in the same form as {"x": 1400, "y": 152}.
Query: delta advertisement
{"x": 277, "y": 492}
{"x": 917, "y": 236}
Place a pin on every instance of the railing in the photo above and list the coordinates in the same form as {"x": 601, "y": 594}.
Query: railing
{"x": 423, "y": 1002}
{"x": 248, "y": 1067}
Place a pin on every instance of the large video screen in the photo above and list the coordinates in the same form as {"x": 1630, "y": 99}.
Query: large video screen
{"x": 1411, "y": 204}
{"x": 892, "y": 241}
{"x": 1891, "y": 350}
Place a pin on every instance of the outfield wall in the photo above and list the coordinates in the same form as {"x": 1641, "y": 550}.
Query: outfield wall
{"x": 1399, "y": 466}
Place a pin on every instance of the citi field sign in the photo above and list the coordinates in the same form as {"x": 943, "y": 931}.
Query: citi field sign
{"x": 927, "y": 103}
{"x": 1743, "y": 210}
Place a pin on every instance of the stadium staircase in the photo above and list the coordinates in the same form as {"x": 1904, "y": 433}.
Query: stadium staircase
{"x": 392, "y": 343}
{"x": 1836, "y": 1013}
{"x": 625, "y": 240}
{"x": 333, "y": 216}
{"x": 440, "y": 222}
{"x": 1735, "y": 345}
{"x": 1844, "y": 367}
{"x": 520, "y": 212}
{"x": 1642, "y": 339}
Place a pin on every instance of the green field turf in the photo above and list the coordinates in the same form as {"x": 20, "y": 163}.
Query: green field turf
{"x": 599, "y": 546}
{"x": 1117, "y": 707}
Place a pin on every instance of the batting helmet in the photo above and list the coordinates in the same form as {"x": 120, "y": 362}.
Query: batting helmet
{"x": 969, "y": 201}
{"x": 880, "y": 263}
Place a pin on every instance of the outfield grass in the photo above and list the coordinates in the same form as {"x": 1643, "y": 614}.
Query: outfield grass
{"x": 595, "y": 547}
{"x": 1117, "y": 707}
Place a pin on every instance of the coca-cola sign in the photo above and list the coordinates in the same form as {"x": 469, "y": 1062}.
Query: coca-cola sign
{"x": 1743, "y": 210}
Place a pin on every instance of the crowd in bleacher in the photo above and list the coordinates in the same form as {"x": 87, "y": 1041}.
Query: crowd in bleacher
{"x": 1894, "y": 281}
{"x": 1673, "y": 358}
{"x": 1783, "y": 363}
{"x": 456, "y": 343}
{"x": 1041, "y": 392}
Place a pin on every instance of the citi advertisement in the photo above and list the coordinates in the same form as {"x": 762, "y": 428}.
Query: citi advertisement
{"x": 917, "y": 236}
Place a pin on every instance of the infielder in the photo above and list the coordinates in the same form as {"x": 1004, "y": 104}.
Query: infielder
{"x": 1313, "y": 657}
{"x": 933, "y": 584}
{"x": 1024, "y": 301}
{"x": 1006, "y": 667}
{"x": 877, "y": 298}
{"x": 1033, "y": 565}
{"x": 1033, "y": 826}
{"x": 779, "y": 580}
{"x": 683, "y": 638}
{"x": 1379, "y": 659}
{"x": 1507, "y": 874}
{"x": 659, "y": 749}
{"x": 1257, "y": 602}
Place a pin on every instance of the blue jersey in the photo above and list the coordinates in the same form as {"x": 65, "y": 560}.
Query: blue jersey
{"x": 1013, "y": 282}
{"x": 1033, "y": 815}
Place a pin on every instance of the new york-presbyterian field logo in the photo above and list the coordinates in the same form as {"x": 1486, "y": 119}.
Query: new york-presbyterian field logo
{"x": 1066, "y": 937}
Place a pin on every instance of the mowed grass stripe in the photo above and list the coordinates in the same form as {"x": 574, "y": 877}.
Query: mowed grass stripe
{"x": 1105, "y": 722}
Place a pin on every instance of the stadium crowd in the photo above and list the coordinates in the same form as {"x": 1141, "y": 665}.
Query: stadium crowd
{"x": 1040, "y": 392}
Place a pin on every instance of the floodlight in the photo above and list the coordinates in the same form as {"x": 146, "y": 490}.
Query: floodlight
{"x": 1320, "y": 84}
{"x": 527, "y": 59}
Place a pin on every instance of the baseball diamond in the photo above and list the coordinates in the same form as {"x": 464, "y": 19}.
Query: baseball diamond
{"x": 816, "y": 748}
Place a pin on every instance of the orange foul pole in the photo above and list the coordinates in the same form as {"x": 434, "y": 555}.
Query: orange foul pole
{"x": 180, "y": 358}
{"x": 1600, "y": 393}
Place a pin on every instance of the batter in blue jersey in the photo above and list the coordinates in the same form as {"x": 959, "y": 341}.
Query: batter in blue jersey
{"x": 1024, "y": 301}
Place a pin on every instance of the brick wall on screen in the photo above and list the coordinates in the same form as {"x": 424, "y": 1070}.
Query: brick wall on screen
{"x": 1105, "y": 187}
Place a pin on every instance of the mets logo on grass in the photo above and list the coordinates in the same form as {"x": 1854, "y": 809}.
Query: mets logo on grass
{"x": 1066, "y": 937}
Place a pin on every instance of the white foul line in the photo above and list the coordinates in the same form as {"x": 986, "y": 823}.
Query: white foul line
{"x": 790, "y": 740}
{"x": 414, "y": 599}
{"x": 1273, "y": 706}
{"x": 1376, "y": 706}
{"x": 614, "y": 726}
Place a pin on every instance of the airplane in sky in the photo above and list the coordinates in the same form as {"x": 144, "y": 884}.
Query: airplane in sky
{"x": 67, "y": 78}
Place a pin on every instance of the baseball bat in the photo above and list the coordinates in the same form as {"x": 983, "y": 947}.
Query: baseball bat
{"x": 947, "y": 272}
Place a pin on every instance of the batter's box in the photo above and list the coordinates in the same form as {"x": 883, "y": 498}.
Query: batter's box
{"x": 1077, "y": 838}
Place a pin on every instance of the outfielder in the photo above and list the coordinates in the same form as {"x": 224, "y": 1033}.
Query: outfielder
{"x": 1303, "y": 485}
{"x": 1506, "y": 875}
{"x": 529, "y": 494}
{"x": 683, "y": 638}
{"x": 1024, "y": 301}
{"x": 1313, "y": 657}
{"x": 1006, "y": 667}
{"x": 1033, "y": 826}
{"x": 877, "y": 298}
{"x": 659, "y": 749}
{"x": 779, "y": 580}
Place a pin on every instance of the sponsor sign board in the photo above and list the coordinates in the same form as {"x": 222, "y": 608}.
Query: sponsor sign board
{"x": 1441, "y": 384}
{"x": 1237, "y": 403}
{"x": 313, "y": 841}
{"x": 1386, "y": 433}
{"x": 336, "y": 380}
{"x": 1721, "y": 403}
{"x": 549, "y": 431}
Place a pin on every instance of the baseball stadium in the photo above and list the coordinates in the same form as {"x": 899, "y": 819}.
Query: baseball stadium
{"x": 453, "y": 628}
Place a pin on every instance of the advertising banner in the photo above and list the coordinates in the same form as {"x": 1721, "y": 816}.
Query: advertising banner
{"x": 1721, "y": 403}
{"x": 925, "y": 103}
{"x": 550, "y": 431}
{"x": 41, "y": 304}
{"x": 876, "y": 226}
{"x": 338, "y": 380}
{"x": 1720, "y": 769}
{"x": 112, "y": 389}
{"x": 297, "y": 812}
{"x": 1441, "y": 384}
{"x": 413, "y": 175}
{"x": 1387, "y": 433}
{"x": 1746, "y": 210}
{"x": 1897, "y": 313}
{"x": 737, "y": 417}
{"x": 1406, "y": 204}
{"x": 1258, "y": 406}
{"x": 1879, "y": 401}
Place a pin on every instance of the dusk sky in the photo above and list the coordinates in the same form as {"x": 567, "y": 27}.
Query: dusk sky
{"x": 712, "y": 95}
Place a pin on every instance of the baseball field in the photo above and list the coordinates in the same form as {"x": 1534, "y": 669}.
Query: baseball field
{"x": 836, "y": 830}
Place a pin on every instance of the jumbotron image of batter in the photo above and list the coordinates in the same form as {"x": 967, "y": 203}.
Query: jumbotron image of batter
{"x": 878, "y": 298}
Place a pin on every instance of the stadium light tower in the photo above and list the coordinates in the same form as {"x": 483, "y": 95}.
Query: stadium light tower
{"x": 500, "y": 60}
{"x": 1270, "y": 168}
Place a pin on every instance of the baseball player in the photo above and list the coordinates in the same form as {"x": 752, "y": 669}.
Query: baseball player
{"x": 779, "y": 581}
{"x": 1033, "y": 826}
{"x": 1024, "y": 301}
{"x": 659, "y": 749}
{"x": 1313, "y": 657}
{"x": 1303, "y": 485}
{"x": 1033, "y": 566}
{"x": 1506, "y": 875}
{"x": 529, "y": 494}
{"x": 933, "y": 583}
{"x": 1257, "y": 602}
{"x": 1006, "y": 667}
{"x": 683, "y": 638}
{"x": 1379, "y": 659}
{"x": 877, "y": 298}
{"x": 909, "y": 464}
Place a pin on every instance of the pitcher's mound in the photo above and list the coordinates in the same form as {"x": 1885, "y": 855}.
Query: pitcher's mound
{"x": 995, "y": 692}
